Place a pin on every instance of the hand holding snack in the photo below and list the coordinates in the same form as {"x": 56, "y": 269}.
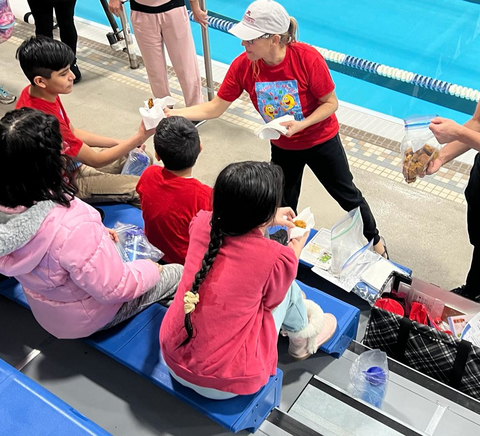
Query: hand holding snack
{"x": 419, "y": 147}
{"x": 416, "y": 163}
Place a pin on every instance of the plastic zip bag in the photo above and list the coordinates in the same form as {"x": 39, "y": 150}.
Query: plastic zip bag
{"x": 347, "y": 239}
{"x": 133, "y": 244}
{"x": 419, "y": 147}
{"x": 136, "y": 163}
{"x": 369, "y": 377}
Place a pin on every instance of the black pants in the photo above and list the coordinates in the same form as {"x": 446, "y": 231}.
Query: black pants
{"x": 329, "y": 163}
{"x": 42, "y": 11}
{"x": 472, "y": 195}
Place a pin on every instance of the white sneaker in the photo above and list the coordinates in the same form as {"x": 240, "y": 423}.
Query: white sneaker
{"x": 6, "y": 97}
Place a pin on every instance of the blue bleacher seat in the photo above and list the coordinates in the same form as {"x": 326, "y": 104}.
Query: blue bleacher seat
{"x": 124, "y": 213}
{"x": 347, "y": 319}
{"x": 135, "y": 344}
{"x": 26, "y": 409}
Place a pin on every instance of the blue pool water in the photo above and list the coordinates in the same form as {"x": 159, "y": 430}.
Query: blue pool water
{"x": 436, "y": 38}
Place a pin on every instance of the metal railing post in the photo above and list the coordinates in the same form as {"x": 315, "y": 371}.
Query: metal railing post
{"x": 127, "y": 34}
{"x": 207, "y": 57}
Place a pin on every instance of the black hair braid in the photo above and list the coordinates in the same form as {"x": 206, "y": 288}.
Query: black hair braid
{"x": 216, "y": 241}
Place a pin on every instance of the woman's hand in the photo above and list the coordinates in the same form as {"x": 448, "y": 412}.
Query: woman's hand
{"x": 113, "y": 235}
{"x": 284, "y": 217}
{"x": 115, "y": 7}
{"x": 293, "y": 127}
{"x": 445, "y": 130}
{"x": 199, "y": 15}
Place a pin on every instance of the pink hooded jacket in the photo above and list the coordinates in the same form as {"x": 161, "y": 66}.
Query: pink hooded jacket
{"x": 71, "y": 273}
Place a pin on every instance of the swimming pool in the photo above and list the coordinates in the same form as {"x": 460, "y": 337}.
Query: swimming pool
{"x": 440, "y": 39}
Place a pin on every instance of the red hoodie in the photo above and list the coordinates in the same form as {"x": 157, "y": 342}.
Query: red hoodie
{"x": 234, "y": 345}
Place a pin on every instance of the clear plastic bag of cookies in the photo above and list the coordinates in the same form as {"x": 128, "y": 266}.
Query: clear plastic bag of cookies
{"x": 419, "y": 147}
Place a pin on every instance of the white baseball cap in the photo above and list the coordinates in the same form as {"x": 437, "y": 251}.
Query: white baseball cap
{"x": 261, "y": 17}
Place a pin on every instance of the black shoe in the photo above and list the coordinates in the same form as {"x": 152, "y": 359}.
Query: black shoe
{"x": 199, "y": 123}
{"x": 461, "y": 290}
{"x": 78, "y": 75}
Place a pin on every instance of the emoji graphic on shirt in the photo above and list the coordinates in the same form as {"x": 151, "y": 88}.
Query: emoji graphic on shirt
{"x": 276, "y": 99}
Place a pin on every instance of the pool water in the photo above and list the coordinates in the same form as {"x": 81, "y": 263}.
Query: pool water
{"x": 440, "y": 39}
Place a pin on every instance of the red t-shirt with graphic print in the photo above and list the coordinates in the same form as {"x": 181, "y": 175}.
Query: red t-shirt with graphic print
{"x": 293, "y": 87}
{"x": 71, "y": 144}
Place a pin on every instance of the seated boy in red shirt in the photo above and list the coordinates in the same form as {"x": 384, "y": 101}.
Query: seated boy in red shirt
{"x": 169, "y": 195}
{"x": 46, "y": 64}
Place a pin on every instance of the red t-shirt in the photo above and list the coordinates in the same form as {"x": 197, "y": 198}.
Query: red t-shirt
{"x": 168, "y": 204}
{"x": 71, "y": 144}
{"x": 293, "y": 87}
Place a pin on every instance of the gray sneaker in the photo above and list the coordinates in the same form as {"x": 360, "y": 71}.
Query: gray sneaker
{"x": 6, "y": 97}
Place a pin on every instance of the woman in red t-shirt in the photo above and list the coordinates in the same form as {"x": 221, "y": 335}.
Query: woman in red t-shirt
{"x": 286, "y": 77}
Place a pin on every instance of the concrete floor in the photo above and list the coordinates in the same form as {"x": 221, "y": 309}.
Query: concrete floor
{"x": 423, "y": 231}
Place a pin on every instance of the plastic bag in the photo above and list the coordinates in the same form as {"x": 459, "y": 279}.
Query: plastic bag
{"x": 347, "y": 239}
{"x": 136, "y": 163}
{"x": 133, "y": 244}
{"x": 7, "y": 21}
{"x": 419, "y": 146}
{"x": 369, "y": 377}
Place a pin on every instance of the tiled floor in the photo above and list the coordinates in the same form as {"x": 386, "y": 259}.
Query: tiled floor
{"x": 372, "y": 140}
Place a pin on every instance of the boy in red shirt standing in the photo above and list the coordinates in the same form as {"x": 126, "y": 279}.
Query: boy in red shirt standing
{"x": 170, "y": 197}
{"x": 46, "y": 63}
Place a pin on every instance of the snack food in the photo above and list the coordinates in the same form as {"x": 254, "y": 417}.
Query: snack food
{"x": 150, "y": 103}
{"x": 300, "y": 223}
{"x": 416, "y": 163}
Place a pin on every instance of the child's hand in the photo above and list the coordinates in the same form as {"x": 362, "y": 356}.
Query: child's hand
{"x": 297, "y": 244}
{"x": 284, "y": 217}
{"x": 113, "y": 235}
{"x": 144, "y": 133}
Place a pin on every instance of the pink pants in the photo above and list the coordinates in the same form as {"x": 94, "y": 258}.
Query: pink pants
{"x": 171, "y": 29}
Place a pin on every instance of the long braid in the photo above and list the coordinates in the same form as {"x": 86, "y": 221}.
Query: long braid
{"x": 216, "y": 241}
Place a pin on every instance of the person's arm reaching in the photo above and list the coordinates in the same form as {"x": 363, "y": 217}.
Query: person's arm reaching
{"x": 204, "y": 111}
{"x": 96, "y": 160}
{"x": 327, "y": 106}
{"x": 92, "y": 139}
{"x": 460, "y": 138}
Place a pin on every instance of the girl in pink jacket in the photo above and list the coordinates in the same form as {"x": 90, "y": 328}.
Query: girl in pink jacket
{"x": 56, "y": 246}
{"x": 219, "y": 336}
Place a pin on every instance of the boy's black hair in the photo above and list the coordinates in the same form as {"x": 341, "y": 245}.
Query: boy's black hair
{"x": 245, "y": 196}
{"x": 32, "y": 166}
{"x": 177, "y": 143}
{"x": 40, "y": 56}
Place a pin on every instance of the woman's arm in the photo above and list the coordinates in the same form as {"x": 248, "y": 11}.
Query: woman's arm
{"x": 327, "y": 106}
{"x": 205, "y": 111}
{"x": 460, "y": 138}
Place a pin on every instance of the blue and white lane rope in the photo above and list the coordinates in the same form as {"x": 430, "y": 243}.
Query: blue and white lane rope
{"x": 373, "y": 67}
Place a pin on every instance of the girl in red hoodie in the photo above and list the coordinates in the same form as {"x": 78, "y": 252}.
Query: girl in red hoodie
{"x": 219, "y": 337}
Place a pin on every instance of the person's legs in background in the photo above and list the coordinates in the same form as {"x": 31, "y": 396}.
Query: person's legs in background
{"x": 471, "y": 289}
{"x": 178, "y": 38}
{"x": 42, "y": 11}
{"x": 64, "y": 12}
{"x": 148, "y": 33}
{"x": 292, "y": 164}
{"x": 329, "y": 163}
